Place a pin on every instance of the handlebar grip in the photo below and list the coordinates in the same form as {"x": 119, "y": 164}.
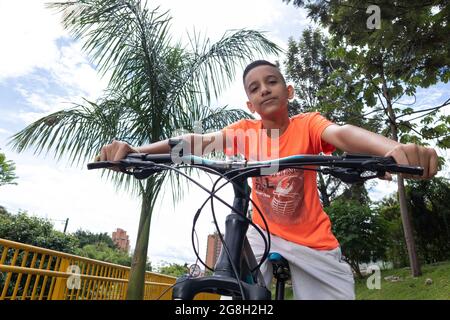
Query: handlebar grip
{"x": 408, "y": 170}
{"x": 400, "y": 168}
{"x": 153, "y": 157}
{"x": 102, "y": 164}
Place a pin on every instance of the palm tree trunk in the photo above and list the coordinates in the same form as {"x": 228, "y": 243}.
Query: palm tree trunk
{"x": 136, "y": 281}
{"x": 406, "y": 218}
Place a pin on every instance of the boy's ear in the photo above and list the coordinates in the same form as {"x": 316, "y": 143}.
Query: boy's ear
{"x": 291, "y": 91}
{"x": 250, "y": 107}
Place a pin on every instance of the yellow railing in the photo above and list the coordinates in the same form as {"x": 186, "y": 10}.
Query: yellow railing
{"x": 29, "y": 272}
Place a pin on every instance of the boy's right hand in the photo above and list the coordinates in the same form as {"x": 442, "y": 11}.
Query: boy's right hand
{"x": 115, "y": 151}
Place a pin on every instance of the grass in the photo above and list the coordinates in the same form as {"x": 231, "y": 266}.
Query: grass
{"x": 408, "y": 287}
{"x": 288, "y": 292}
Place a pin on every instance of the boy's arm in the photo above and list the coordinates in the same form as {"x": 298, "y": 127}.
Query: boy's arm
{"x": 200, "y": 144}
{"x": 353, "y": 139}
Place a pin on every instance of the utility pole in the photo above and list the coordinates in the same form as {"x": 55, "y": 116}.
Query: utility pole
{"x": 65, "y": 226}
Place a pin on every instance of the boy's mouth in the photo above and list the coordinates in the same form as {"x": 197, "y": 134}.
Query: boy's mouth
{"x": 268, "y": 100}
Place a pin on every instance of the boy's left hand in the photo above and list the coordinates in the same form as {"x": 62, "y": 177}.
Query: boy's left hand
{"x": 415, "y": 155}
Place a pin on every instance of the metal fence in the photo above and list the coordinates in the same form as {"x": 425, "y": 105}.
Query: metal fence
{"x": 33, "y": 273}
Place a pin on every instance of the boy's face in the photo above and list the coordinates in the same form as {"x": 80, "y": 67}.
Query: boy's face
{"x": 267, "y": 92}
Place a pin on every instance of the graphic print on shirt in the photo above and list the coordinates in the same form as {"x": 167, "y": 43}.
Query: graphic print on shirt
{"x": 281, "y": 195}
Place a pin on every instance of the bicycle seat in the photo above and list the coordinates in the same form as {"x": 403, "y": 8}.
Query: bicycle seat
{"x": 277, "y": 258}
{"x": 280, "y": 266}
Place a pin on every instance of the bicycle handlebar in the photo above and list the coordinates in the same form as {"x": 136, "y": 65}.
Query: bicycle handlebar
{"x": 348, "y": 167}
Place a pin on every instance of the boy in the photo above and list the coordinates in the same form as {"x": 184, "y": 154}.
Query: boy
{"x": 300, "y": 229}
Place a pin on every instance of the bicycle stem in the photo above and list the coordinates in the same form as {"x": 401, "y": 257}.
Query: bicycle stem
{"x": 235, "y": 230}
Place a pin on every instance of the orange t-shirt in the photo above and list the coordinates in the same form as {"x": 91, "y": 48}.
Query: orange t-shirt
{"x": 288, "y": 199}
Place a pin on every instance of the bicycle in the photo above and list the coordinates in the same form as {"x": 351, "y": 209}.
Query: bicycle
{"x": 236, "y": 272}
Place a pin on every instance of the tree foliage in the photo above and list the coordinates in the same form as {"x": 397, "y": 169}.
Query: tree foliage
{"x": 361, "y": 233}
{"x": 7, "y": 171}
{"x": 40, "y": 232}
{"x": 396, "y": 252}
{"x": 322, "y": 83}
{"x": 174, "y": 269}
{"x": 89, "y": 238}
{"x": 408, "y": 51}
{"x": 22, "y": 227}
{"x": 103, "y": 252}
{"x": 405, "y": 49}
{"x": 428, "y": 202}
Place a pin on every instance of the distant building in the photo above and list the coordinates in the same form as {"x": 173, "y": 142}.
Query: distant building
{"x": 120, "y": 238}
{"x": 213, "y": 248}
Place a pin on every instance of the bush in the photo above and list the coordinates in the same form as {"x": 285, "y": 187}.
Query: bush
{"x": 361, "y": 233}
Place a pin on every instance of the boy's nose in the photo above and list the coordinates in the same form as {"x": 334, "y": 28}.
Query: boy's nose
{"x": 264, "y": 91}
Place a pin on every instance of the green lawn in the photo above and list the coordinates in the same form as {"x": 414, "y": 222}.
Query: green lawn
{"x": 408, "y": 287}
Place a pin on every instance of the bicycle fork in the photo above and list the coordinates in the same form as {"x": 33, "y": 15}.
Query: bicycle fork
{"x": 224, "y": 280}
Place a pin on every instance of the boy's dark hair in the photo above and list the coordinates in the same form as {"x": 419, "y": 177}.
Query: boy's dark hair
{"x": 255, "y": 64}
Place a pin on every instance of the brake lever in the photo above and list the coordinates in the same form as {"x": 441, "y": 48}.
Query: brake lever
{"x": 129, "y": 166}
{"x": 145, "y": 173}
{"x": 148, "y": 168}
{"x": 390, "y": 165}
{"x": 351, "y": 175}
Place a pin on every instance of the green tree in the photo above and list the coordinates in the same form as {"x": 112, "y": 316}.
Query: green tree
{"x": 396, "y": 251}
{"x": 3, "y": 211}
{"x": 87, "y": 237}
{"x": 103, "y": 252}
{"x": 407, "y": 50}
{"x": 322, "y": 84}
{"x": 7, "y": 171}
{"x": 35, "y": 231}
{"x": 428, "y": 201}
{"x": 156, "y": 89}
{"x": 174, "y": 269}
{"x": 360, "y": 231}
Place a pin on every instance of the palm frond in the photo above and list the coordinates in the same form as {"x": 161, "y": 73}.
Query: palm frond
{"x": 69, "y": 131}
{"x": 213, "y": 66}
{"x": 120, "y": 36}
{"x": 156, "y": 88}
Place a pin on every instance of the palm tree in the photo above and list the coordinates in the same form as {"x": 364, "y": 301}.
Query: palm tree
{"x": 156, "y": 89}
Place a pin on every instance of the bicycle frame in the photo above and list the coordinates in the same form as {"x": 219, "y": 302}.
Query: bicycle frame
{"x": 224, "y": 281}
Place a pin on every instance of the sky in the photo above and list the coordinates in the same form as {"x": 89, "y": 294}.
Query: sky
{"x": 43, "y": 70}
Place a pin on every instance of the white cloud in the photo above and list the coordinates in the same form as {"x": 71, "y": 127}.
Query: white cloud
{"x": 170, "y": 234}
{"x": 4, "y": 131}
{"x": 29, "y": 31}
{"x": 56, "y": 72}
{"x": 73, "y": 71}
{"x": 382, "y": 188}
{"x": 214, "y": 17}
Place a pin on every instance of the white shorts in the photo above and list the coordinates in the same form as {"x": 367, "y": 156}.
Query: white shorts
{"x": 315, "y": 274}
